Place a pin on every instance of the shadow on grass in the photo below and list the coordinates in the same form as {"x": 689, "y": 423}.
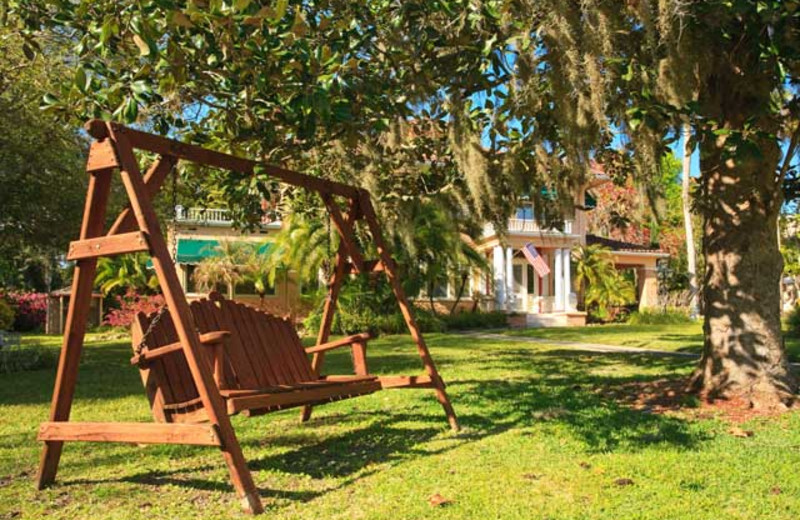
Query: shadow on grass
{"x": 502, "y": 387}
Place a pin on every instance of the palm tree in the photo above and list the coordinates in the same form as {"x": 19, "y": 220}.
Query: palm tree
{"x": 224, "y": 267}
{"x": 125, "y": 272}
{"x": 305, "y": 245}
{"x": 601, "y": 284}
{"x": 437, "y": 252}
{"x": 257, "y": 269}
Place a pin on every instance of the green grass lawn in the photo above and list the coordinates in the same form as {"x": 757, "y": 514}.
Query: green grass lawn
{"x": 685, "y": 337}
{"x": 541, "y": 439}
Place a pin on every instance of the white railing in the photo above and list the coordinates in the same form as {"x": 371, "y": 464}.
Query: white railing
{"x": 212, "y": 216}
{"x": 526, "y": 225}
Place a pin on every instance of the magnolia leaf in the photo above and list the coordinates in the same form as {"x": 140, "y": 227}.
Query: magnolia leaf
{"x": 178, "y": 18}
{"x": 144, "y": 49}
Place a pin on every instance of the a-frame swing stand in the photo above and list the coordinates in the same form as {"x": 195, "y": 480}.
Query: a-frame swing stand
{"x": 137, "y": 229}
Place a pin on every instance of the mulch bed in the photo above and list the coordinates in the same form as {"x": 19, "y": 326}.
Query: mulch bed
{"x": 663, "y": 396}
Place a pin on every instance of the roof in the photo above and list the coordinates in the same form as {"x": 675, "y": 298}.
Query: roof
{"x": 620, "y": 245}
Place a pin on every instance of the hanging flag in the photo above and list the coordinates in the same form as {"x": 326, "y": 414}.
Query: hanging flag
{"x": 535, "y": 259}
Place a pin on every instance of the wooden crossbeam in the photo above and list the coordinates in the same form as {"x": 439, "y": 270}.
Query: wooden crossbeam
{"x": 133, "y": 242}
{"x": 137, "y": 433}
{"x": 153, "y": 179}
{"x": 164, "y": 146}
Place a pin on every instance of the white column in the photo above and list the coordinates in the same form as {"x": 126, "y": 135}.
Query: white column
{"x": 510, "y": 295}
{"x": 558, "y": 282}
{"x": 499, "y": 269}
{"x": 566, "y": 255}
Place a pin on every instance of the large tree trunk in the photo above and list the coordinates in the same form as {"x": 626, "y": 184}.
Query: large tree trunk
{"x": 743, "y": 355}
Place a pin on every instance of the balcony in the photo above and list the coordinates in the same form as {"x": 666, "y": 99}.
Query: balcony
{"x": 528, "y": 225}
{"x": 213, "y": 217}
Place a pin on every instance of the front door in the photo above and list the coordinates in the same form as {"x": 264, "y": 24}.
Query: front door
{"x": 520, "y": 286}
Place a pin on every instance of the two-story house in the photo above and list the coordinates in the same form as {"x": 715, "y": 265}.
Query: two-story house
{"x": 540, "y": 290}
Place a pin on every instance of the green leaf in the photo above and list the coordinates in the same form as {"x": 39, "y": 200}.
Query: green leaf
{"x": 131, "y": 110}
{"x": 144, "y": 48}
{"x": 81, "y": 81}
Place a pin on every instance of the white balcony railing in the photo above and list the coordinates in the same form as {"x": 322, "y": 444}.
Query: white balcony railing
{"x": 211, "y": 216}
{"x": 526, "y": 225}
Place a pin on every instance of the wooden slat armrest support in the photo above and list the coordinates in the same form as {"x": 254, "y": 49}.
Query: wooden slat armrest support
{"x": 217, "y": 336}
{"x": 349, "y": 340}
{"x": 209, "y": 339}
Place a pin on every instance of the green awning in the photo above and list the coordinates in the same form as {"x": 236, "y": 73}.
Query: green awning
{"x": 192, "y": 251}
{"x": 195, "y": 250}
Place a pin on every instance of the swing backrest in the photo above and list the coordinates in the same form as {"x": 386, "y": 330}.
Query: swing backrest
{"x": 262, "y": 351}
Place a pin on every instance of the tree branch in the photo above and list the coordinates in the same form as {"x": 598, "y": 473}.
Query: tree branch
{"x": 787, "y": 159}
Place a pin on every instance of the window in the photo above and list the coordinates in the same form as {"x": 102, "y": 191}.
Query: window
{"x": 191, "y": 285}
{"x": 311, "y": 286}
{"x": 532, "y": 276}
{"x": 440, "y": 290}
{"x": 525, "y": 212}
{"x": 517, "y": 273}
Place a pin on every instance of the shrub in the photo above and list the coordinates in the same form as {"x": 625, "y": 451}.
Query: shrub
{"x": 669, "y": 316}
{"x": 30, "y": 309}
{"x": 476, "y": 320}
{"x": 20, "y": 358}
{"x": 129, "y": 304}
{"x": 6, "y": 315}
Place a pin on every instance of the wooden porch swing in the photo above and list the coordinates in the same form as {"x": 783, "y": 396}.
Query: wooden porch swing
{"x": 137, "y": 229}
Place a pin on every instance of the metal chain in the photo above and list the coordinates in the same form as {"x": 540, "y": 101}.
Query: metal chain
{"x": 174, "y": 254}
{"x": 143, "y": 343}
{"x": 174, "y": 244}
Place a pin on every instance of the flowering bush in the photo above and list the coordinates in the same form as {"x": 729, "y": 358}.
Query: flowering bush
{"x": 129, "y": 304}
{"x": 30, "y": 309}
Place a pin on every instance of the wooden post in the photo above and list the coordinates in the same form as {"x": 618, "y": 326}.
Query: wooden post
{"x": 182, "y": 319}
{"x": 405, "y": 308}
{"x": 327, "y": 320}
{"x": 80, "y": 301}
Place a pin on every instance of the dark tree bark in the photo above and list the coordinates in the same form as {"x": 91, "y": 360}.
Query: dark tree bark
{"x": 743, "y": 355}
{"x": 460, "y": 294}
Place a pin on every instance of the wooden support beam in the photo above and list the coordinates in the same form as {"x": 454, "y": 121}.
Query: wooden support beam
{"x": 164, "y": 146}
{"x": 370, "y": 266}
{"x": 153, "y": 179}
{"x": 101, "y": 156}
{"x": 405, "y": 307}
{"x": 133, "y": 242}
{"x": 181, "y": 315}
{"x": 138, "y": 433}
{"x": 345, "y": 229}
{"x": 94, "y": 212}
{"x": 422, "y": 381}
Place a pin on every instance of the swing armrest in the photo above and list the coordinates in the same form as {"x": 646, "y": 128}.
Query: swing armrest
{"x": 209, "y": 339}
{"x": 343, "y": 342}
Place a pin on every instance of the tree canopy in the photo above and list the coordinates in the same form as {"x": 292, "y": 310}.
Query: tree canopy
{"x": 475, "y": 103}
